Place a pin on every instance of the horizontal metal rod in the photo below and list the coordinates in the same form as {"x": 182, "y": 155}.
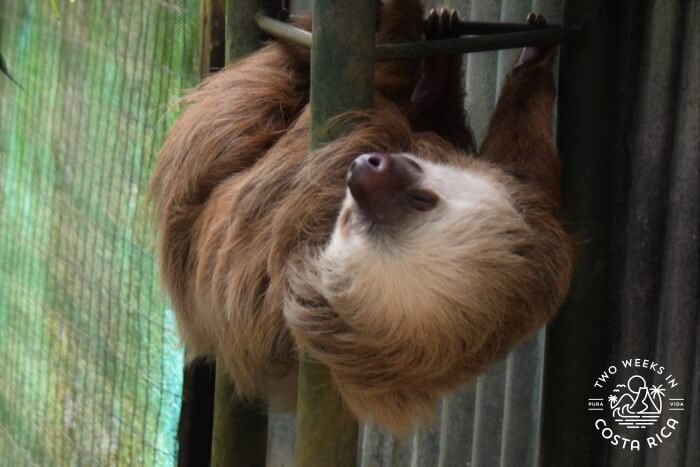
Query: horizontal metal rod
{"x": 470, "y": 44}
{"x": 478, "y": 28}
{"x": 508, "y": 40}
{"x": 283, "y": 31}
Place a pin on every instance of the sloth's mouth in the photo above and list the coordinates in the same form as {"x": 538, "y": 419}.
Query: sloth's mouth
{"x": 353, "y": 218}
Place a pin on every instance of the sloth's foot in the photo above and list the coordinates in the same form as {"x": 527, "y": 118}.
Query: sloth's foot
{"x": 442, "y": 23}
{"x": 534, "y": 54}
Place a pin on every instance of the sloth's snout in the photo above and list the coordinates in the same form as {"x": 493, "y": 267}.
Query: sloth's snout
{"x": 381, "y": 185}
{"x": 377, "y": 162}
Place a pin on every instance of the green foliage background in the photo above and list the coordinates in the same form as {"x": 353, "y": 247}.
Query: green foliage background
{"x": 90, "y": 366}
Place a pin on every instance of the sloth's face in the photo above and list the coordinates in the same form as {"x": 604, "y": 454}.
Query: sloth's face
{"x": 394, "y": 200}
{"x": 411, "y": 233}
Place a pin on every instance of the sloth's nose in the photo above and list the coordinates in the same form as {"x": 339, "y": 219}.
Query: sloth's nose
{"x": 377, "y": 162}
{"x": 379, "y": 184}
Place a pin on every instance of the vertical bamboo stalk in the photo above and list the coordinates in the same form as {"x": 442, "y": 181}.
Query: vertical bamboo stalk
{"x": 342, "y": 79}
{"x": 242, "y": 34}
{"x": 342, "y": 62}
{"x": 239, "y": 435}
{"x": 239, "y": 438}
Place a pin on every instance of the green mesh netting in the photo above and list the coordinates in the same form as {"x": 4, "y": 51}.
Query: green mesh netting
{"x": 90, "y": 367}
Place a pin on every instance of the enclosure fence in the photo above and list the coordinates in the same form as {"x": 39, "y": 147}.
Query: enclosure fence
{"x": 90, "y": 362}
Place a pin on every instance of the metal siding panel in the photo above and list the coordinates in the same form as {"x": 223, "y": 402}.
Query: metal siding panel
{"x": 426, "y": 446}
{"x": 456, "y": 427}
{"x": 380, "y": 449}
{"x": 649, "y": 165}
{"x": 522, "y": 405}
{"x": 693, "y": 445}
{"x": 488, "y": 416}
{"x": 651, "y": 155}
{"x": 463, "y": 7}
{"x": 481, "y": 72}
{"x": 679, "y": 297}
{"x": 280, "y": 439}
{"x": 654, "y": 293}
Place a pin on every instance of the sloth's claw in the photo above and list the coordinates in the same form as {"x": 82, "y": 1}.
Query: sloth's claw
{"x": 537, "y": 53}
{"x": 442, "y": 23}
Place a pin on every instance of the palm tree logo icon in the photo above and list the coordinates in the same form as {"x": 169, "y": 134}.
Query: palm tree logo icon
{"x": 635, "y": 404}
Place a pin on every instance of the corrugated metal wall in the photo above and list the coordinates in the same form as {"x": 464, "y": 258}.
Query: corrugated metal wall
{"x": 652, "y": 271}
{"x": 654, "y": 293}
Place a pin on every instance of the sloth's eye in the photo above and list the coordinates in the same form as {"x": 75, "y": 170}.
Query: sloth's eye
{"x": 413, "y": 164}
{"x": 422, "y": 200}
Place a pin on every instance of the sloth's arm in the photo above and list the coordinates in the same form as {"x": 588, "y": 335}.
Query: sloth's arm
{"x": 520, "y": 138}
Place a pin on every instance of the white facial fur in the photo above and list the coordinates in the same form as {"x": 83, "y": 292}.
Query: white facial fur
{"x": 432, "y": 258}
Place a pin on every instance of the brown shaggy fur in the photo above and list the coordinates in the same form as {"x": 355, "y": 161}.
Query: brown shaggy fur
{"x": 245, "y": 212}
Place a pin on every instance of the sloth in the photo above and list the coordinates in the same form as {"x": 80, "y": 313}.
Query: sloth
{"x": 399, "y": 255}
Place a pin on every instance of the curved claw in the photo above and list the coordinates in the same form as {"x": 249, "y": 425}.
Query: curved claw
{"x": 442, "y": 23}
{"x": 536, "y": 19}
{"x": 534, "y": 53}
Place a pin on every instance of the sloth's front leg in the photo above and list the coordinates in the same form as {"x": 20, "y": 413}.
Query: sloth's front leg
{"x": 520, "y": 138}
{"x": 535, "y": 53}
{"x": 438, "y": 98}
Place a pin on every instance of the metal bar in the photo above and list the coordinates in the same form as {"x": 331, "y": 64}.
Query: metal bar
{"x": 342, "y": 79}
{"x": 462, "y": 45}
{"x": 485, "y": 27}
{"x": 282, "y": 30}
{"x": 482, "y": 27}
{"x": 526, "y": 36}
{"x": 576, "y": 352}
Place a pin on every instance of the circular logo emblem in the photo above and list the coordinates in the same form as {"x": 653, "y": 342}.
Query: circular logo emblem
{"x": 634, "y": 403}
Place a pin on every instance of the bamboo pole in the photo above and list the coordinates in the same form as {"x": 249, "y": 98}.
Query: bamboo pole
{"x": 239, "y": 436}
{"x": 342, "y": 79}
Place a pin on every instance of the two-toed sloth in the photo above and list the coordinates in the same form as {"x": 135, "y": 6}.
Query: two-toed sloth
{"x": 397, "y": 255}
